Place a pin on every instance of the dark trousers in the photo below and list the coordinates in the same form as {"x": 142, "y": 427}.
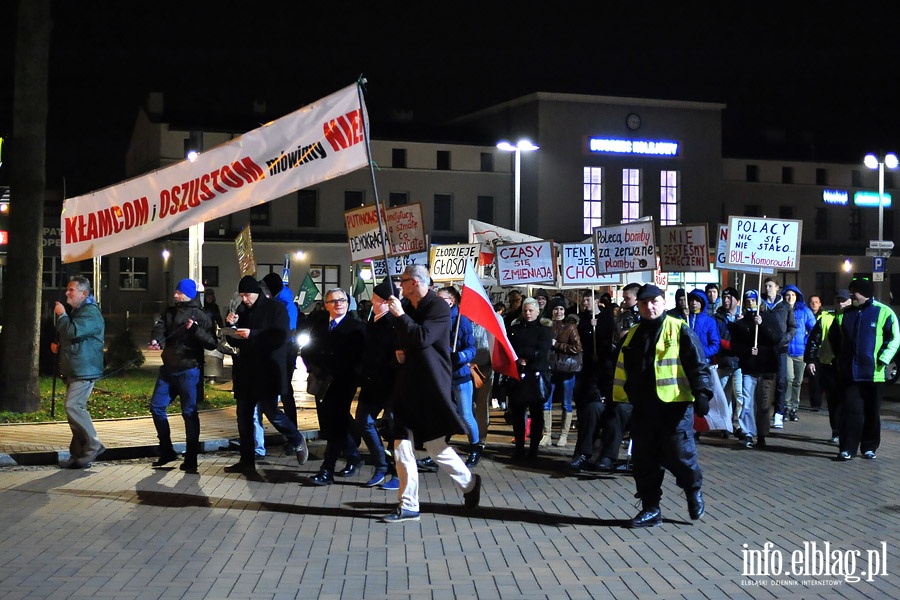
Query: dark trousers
{"x": 615, "y": 422}
{"x": 781, "y": 383}
{"x": 815, "y": 387}
{"x": 860, "y": 422}
{"x": 827, "y": 377}
{"x": 660, "y": 443}
{"x": 520, "y": 407}
{"x": 589, "y": 423}
{"x": 246, "y": 412}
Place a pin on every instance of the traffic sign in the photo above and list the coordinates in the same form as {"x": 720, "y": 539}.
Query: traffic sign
{"x": 878, "y": 264}
{"x": 881, "y": 244}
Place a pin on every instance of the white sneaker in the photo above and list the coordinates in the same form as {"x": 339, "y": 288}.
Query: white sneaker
{"x": 779, "y": 421}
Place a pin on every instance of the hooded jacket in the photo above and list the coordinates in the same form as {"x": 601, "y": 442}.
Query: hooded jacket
{"x": 704, "y": 325}
{"x": 805, "y": 319}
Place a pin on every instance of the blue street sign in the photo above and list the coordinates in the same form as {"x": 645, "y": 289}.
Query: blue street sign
{"x": 878, "y": 264}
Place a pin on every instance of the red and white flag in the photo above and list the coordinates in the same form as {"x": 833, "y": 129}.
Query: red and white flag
{"x": 476, "y": 306}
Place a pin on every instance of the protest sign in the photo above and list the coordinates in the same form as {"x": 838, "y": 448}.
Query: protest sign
{"x": 525, "y": 263}
{"x": 403, "y": 226}
{"x": 722, "y": 250}
{"x": 760, "y": 242}
{"x": 397, "y": 264}
{"x": 243, "y": 244}
{"x": 683, "y": 248}
{"x": 625, "y": 248}
{"x": 448, "y": 263}
{"x": 578, "y": 268}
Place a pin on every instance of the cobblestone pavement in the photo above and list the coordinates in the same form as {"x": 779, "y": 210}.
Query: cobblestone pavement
{"x": 124, "y": 530}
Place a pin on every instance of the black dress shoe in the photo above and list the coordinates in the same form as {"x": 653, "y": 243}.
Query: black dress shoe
{"x": 164, "y": 459}
{"x": 649, "y": 517}
{"x": 427, "y": 465}
{"x": 189, "y": 467}
{"x": 323, "y": 477}
{"x": 474, "y": 455}
{"x": 696, "y": 508}
{"x": 240, "y": 467}
{"x": 352, "y": 467}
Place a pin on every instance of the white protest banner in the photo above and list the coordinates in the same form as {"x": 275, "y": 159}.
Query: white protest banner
{"x": 316, "y": 143}
{"x": 760, "y": 242}
{"x": 528, "y": 262}
{"x": 397, "y": 264}
{"x": 722, "y": 250}
{"x": 578, "y": 268}
{"x": 448, "y": 263}
{"x": 625, "y": 248}
{"x": 683, "y": 248}
{"x": 403, "y": 225}
{"x": 489, "y": 236}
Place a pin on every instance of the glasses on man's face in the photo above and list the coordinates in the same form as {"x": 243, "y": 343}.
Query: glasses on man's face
{"x": 405, "y": 279}
{"x": 336, "y": 301}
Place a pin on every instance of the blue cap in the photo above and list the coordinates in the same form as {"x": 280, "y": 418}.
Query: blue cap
{"x": 751, "y": 295}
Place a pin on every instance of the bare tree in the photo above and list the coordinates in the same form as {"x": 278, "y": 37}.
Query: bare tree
{"x": 26, "y": 155}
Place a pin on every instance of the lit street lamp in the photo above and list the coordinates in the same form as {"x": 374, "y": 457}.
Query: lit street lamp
{"x": 874, "y": 162}
{"x": 520, "y": 147}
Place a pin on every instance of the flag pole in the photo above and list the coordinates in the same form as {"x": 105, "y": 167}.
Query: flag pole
{"x": 360, "y": 89}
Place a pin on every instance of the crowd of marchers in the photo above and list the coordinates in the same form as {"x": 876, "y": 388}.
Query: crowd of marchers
{"x": 636, "y": 375}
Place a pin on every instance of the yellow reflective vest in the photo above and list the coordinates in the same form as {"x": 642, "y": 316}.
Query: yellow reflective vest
{"x": 672, "y": 384}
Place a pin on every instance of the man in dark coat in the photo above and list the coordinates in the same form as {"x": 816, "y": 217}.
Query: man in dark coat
{"x": 334, "y": 352}
{"x": 423, "y": 409}
{"x": 184, "y": 332}
{"x": 262, "y": 327}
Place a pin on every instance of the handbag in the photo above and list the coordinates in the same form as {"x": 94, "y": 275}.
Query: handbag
{"x": 223, "y": 345}
{"x": 478, "y": 376}
{"x": 566, "y": 363}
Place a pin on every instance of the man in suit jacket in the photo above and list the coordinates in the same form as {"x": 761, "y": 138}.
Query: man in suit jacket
{"x": 424, "y": 409}
{"x": 259, "y": 371}
{"x": 335, "y": 351}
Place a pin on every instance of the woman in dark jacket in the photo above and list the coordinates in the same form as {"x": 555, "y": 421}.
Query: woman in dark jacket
{"x": 531, "y": 341}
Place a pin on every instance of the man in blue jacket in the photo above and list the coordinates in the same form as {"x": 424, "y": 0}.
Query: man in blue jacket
{"x": 796, "y": 348}
{"x": 81, "y": 363}
{"x": 864, "y": 338}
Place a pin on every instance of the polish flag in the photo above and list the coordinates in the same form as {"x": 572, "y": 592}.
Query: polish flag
{"x": 476, "y": 305}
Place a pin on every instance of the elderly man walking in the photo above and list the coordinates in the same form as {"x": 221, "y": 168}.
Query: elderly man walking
{"x": 81, "y": 363}
{"x": 424, "y": 409}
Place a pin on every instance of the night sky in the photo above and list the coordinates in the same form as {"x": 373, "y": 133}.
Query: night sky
{"x": 827, "y": 79}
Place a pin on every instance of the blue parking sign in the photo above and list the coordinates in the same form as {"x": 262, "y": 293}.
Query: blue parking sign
{"x": 878, "y": 264}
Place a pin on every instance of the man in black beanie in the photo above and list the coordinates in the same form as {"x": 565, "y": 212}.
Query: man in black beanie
{"x": 864, "y": 338}
{"x": 262, "y": 328}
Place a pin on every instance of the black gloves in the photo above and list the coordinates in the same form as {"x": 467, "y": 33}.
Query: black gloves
{"x": 701, "y": 404}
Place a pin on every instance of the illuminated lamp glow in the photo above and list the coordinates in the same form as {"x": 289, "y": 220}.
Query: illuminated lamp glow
{"x": 643, "y": 147}
{"x": 863, "y": 198}
{"x": 4, "y": 237}
{"x": 840, "y": 197}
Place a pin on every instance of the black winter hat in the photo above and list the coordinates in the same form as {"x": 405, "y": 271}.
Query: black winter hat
{"x": 249, "y": 285}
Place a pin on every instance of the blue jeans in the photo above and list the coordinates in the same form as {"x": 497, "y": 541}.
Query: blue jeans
{"x": 567, "y": 381}
{"x": 169, "y": 384}
{"x": 365, "y": 426}
{"x": 462, "y": 395}
{"x": 259, "y": 434}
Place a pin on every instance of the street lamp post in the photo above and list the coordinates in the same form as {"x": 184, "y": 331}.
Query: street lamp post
{"x": 873, "y": 162}
{"x": 520, "y": 147}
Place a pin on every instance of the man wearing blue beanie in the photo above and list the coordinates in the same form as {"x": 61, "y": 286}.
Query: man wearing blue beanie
{"x": 183, "y": 331}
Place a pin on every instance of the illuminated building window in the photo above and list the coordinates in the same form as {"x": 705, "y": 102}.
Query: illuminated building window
{"x": 325, "y": 277}
{"x": 631, "y": 195}
{"x": 593, "y": 199}
{"x": 668, "y": 198}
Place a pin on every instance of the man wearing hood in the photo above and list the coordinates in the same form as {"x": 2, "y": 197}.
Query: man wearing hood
{"x": 796, "y": 366}
{"x": 184, "y": 332}
{"x": 703, "y": 324}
